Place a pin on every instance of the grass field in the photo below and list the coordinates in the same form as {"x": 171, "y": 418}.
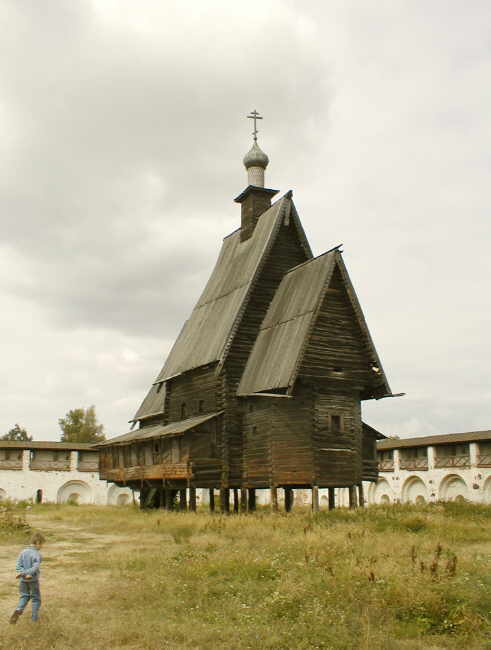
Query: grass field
{"x": 379, "y": 578}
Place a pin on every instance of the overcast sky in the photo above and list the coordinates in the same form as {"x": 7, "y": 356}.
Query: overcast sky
{"x": 122, "y": 131}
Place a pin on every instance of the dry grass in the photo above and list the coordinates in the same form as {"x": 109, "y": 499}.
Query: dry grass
{"x": 382, "y": 578}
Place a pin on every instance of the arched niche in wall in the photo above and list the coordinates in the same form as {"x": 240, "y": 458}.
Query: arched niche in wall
{"x": 118, "y": 496}
{"x": 414, "y": 490}
{"x": 487, "y": 490}
{"x": 453, "y": 488}
{"x": 380, "y": 492}
{"x": 75, "y": 492}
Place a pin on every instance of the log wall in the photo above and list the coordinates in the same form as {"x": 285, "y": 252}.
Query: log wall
{"x": 338, "y": 454}
{"x": 286, "y": 253}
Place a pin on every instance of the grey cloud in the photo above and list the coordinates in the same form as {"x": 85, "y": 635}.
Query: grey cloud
{"x": 122, "y": 131}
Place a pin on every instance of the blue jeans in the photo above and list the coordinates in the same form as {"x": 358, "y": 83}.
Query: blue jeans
{"x": 29, "y": 590}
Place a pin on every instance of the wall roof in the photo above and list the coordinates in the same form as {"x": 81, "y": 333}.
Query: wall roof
{"x": 35, "y": 444}
{"x": 423, "y": 441}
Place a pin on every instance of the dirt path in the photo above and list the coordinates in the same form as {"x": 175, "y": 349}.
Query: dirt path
{"x": 65, "y": 546}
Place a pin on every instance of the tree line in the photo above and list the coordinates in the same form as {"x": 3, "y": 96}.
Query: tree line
{"x": 78, "y": 425}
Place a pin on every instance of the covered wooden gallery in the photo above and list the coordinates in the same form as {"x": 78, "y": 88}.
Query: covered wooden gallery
{"x": 264, "y": 384}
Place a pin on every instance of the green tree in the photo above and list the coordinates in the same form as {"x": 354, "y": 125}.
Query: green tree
{"x": 17, "y": 433}
{"x": 80, "y": 425}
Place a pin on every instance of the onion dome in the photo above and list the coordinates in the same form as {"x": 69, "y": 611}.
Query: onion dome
{"x": 255, "y": 157}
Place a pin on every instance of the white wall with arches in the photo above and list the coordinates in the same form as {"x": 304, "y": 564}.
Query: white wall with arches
{"x": 59, "y": 486}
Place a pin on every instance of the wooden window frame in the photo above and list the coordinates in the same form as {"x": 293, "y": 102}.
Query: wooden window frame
{"x": 341, "y": 423}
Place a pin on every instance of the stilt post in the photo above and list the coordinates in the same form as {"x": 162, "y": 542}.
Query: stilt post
{"x": 225, "y": 500}
{"x": 211, "y": 493}
{"x": 236, "y": 500}
{"x": 288, "y": 499}
{"x": 352, "y": 497}
{"x": 332, "y": 498}
{"x": 361, "y": 496}
{"x": 183, "y": 501}
{"x": 192, "y": 499}
{"x": 274, "y": 499}
{"x": 315, "y": 498}
{"x": 243, "y": 500}
{"x": 252, "y": 500}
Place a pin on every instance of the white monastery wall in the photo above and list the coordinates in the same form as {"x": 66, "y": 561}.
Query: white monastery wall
{"x": 22, "y": 481}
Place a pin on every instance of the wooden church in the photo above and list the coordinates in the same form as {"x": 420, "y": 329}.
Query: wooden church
{"x": 263, "y": 386}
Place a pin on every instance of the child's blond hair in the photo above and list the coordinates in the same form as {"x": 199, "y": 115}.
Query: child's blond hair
{"x": 37, "y": 539}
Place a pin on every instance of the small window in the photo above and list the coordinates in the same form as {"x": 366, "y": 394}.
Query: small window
{"x": 201, "y": 406}
{"x": 183, "y": 410}
{"x": 335, "y": 424}
{"x": 251, "y": 407}
{"x": 254, "y": 431}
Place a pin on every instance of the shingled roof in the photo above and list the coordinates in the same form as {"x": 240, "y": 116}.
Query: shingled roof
{"x": 275, "y": 355}
{"x": 443, "y": 439}
{"x": 277, "y": 352}
{"x": 153, "y": 404}
{"x": 206, "y": 336}
{"x": 159, "y": 430}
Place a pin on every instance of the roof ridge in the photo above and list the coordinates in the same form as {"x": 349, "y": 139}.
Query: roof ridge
{"x": 313, "y": 259}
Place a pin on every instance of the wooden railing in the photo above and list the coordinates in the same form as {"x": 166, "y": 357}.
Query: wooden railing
{"x": 452, "y": 461}
{"x": 50, "y": 465}
{"x": 149, "y": 472}
{"x": 11, "y": 464}
{"x": 484, "y": 460}
{"x": 386, "y": 465}
{"x": 88, "y": 466}
{"x": 413, "y": 463}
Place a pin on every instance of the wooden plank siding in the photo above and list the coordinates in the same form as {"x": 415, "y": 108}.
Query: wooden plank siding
{"x": 338, "y": 454}
{"x": 311, "y": 435}
{"x": 196, "y": 390}
{"x": 336, "y": 348}
{"x": 287, "y": 251}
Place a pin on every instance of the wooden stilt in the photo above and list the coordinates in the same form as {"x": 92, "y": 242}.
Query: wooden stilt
{"x": 183, "y": 501}
{"x": 143, "y": 496}
{"x": 352, "y": 497}
{"x": 274, "y": 499}
{"x": 169, "y": 499}
{"x": 225, "y": 500}
{"x": 162, "y": 496}
{"x": 211, "y": 493}
{"x": 251, "y": 505}
{"x": 236, "y": 500}
{"x": 315, "y": 498}
{"x": 288, "y": 499}
{"x": 361, "y": 496}
{"x": 243, "y": 500}
{"x": 332, "y": 498}
{"x": 192, "y": 499}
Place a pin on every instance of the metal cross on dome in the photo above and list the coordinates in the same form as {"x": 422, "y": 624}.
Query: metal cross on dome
{"x": 254, "y": 116}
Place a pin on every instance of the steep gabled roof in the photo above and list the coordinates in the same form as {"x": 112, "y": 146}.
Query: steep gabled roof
{"x": 206, "y": 336}
{"x": 153, "y": 404}
{"x": 277, "y": 353}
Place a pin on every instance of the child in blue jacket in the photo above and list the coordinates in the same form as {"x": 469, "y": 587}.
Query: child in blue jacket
{"x": 27, "y": 569}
